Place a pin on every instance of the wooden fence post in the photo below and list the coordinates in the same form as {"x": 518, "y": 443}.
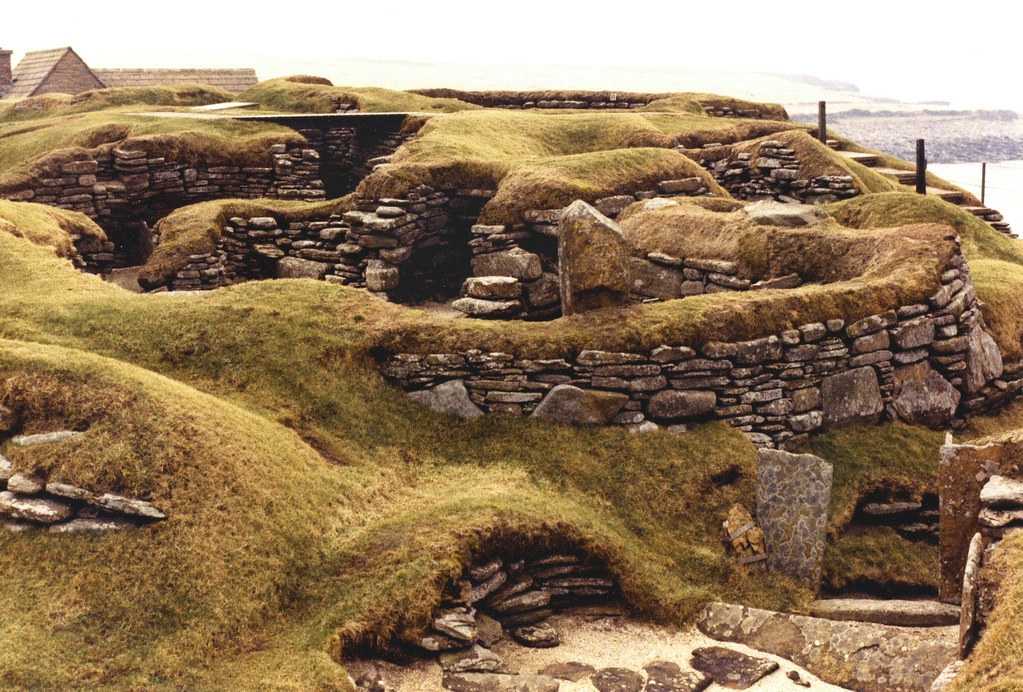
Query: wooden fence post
{"x": 921, "y": 167}
{"x": 983, "y": 183}
{"x": 822, "y": 122}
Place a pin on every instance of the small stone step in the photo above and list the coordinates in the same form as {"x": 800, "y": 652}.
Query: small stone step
{"x": 953, "y": 196}
{"x": 835, "y": 144}
{"x": 869, "y": 160}
{"x": 902, "y": 613}
{"x": 903, "y": 176}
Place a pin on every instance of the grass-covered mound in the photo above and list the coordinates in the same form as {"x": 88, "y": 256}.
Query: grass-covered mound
{"x": 685, "y": 102}
{"x": 29, "y": 147}
{"x": 311, "y": 506}
{"x": 996, "y": 261}
{"x": 48, "y": 226}
{"x": 304, "y": 94}
{"x": 535, "y": 160}
{"x": 172, "y": 96}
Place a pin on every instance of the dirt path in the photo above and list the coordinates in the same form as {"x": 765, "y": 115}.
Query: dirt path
{"x": 605, "y": 642}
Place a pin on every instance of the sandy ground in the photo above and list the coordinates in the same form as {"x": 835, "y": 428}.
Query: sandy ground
{"x": 601, "y": 642}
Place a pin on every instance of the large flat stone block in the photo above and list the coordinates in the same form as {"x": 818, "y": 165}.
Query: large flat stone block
{"x": 793, "y": 495}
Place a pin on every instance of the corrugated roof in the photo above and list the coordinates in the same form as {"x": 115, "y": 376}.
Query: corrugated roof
{"x": 230, "y": 80}
{"x": 33, "y": 69}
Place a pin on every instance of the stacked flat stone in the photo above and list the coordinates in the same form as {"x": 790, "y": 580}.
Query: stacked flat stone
{"x": 915, "y": 520}
{"x": 516, "y": 596}
{"x": 930, "y": 363}
{"x": 30, "y": 501}
{"x": 772, "y": 171}
{"x": 1001, "y": 515}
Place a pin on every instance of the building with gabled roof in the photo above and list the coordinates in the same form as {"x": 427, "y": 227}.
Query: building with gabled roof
{"x": 62, "y": 70}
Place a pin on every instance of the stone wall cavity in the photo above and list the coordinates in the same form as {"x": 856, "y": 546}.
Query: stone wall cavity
{"x": 931, "y": 363}
{"x": 771, "y": 171}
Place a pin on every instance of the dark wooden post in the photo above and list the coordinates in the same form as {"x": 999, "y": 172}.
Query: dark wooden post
{"x": 983, "y": 182}
{"x": 921, "y": 167}
{"x": 822, "y": 121}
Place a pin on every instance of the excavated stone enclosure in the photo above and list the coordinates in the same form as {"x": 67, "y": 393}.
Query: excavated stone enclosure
{"x": 127, "y": 187}
{"x": 930, "y": 363}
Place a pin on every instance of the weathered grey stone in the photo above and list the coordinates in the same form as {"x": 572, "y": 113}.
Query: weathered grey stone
{"x": 381, "y": 276}
{"x": 675, "y": 405}
{"x": 853, "y": 396}
{"x": 32, "y": 509}
{"x": 516, "y": 263}
{"x": 493, "y": 309}
{"x": 456, "y": 623}
{"x": 297, "y": 268}
{"x": 793, "y": 496}
{"x": 127, "y": 505}
{"x": 571, "y": 405}
{"x": 6, "y": 469}
{"x": 923, "y": 397}
{"x": 570, "y": 671}
{"x": 488, "y": 630}
{"x": 665, "y": 676}
{"x": 44, "y": 438}
{"x": 539, "y": 636}
{"x": 983, "y": 360}
{"x": 26, "y": 483}
{"x": 436, "y": 642}
{"x": 768, "y": 213}
{"x": 969, "y": 606}
{"x": 999, "y": 518}
{"x": 731, "y": 668}
{"x": 856, "y": 655}
{"x": 544, "y": 292}
{"x": 942, "y": 682}
{"x": 496, "y": 682}
{"x": 449, "y": 397}
{"x": 88, "y": 525}
{"x": 778, "y": 283}
{"x": 617, "y": 680}
{"x": 593, "y": 260}
{"x": 475, "y": 659}
{"x": 1000, "y": 491}
{"x": 654, "y": 281}
{"x": 887, "y": 611}
{"x": 71, "y": 492}
{"x": 914, "y": 334}
{"x": 523, "y": 602}
{"x": 492, "y": 287}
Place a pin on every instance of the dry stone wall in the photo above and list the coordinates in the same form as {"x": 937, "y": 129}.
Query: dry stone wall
{"x": 930, "y": 363}
{"x": 31, "y": 501}
{"x": 771, "y": 171}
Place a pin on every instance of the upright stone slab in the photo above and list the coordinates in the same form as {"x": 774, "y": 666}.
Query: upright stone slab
{"x": 593, "y": 260}
{"x": 793, "y": 494}
{"x": 962, "y": 471}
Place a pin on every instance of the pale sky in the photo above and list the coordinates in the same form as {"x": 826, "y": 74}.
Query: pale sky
{"x": 965, "y": 52}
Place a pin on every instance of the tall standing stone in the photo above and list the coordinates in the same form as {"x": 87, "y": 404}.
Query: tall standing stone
{"x": 593, "y": 260}
{"x": 793, "y": 495}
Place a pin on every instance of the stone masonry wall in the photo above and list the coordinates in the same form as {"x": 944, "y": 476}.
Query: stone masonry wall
{"x": 770, "y": 172}
{"x": 930, "y": 363}
{"x": 427, "y": 243}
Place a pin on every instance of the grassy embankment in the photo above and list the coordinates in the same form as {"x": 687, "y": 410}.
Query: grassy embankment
{"x": 310, "y": 504}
